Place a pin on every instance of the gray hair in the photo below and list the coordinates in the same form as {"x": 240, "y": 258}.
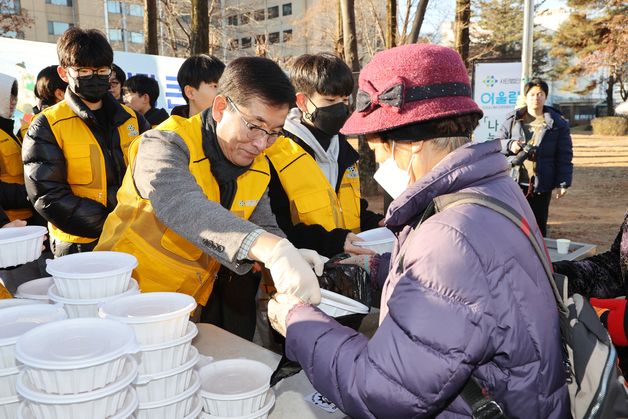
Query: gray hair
{"x": 449, "y": 144}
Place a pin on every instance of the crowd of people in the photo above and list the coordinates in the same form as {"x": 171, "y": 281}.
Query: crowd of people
{"x": 255, "y": 172}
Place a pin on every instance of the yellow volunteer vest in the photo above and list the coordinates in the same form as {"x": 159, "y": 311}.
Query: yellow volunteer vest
{"x": 84, "y": 158}
{"x": 167, "y": 261}
{"x": 12, "y": 170}
{"x": 313, "y": 200}
{"x": 4, "y": 293}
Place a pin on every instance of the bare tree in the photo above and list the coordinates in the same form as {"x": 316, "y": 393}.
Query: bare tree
{"x": 350, "y": 39}
{"x": 419, "y": 16}
{"x": 150, "y": 27}
{"x": 13, "y": 18}
{"x": 391, "y": 23}
{"x": 463, "y": 19}
{"x": 200, "y": 27}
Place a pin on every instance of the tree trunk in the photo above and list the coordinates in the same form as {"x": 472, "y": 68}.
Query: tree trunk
{"x": 391, "y": 23}
{"x": 200, "y": 27}
{"x": 350, "y": 39}
{"x": 463, "y": 18}
{"x": 419, "y": 15}
{"x": 339, "y": 45}
{"x": 150, "y": 27}
{"x": 610, "y": 109}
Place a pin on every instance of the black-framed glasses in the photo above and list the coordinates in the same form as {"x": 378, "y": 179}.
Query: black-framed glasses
{"x": 255, "y": 132}
{"x": 88, "y": 73}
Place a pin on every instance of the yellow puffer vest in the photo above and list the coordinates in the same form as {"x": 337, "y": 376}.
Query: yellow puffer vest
{"x": 84, "y": 158}
{"x": 313, "y": 200}
{"x": 167, "y": 261}
{"x": 12, "y": 170}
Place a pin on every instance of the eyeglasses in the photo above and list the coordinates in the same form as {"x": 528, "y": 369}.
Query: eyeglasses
{"x": 255, "y": 131}
{"x": 88, "y": 73}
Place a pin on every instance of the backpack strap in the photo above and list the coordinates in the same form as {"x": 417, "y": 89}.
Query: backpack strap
{"x": 482, "y": 405}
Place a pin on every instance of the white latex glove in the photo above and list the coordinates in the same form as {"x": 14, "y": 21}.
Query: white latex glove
{"x": 278, "y": 308}
{"x": 316, "y": 261}
{"x": 292, "y": 273}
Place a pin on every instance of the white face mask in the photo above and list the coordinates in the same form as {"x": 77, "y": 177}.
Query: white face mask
{"x": 391, "y": 177}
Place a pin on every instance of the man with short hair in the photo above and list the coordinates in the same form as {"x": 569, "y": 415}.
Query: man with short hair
{"x": 75, "y": 152}
{"x": 198, "y": 79}
{"x": 140, "y": 94}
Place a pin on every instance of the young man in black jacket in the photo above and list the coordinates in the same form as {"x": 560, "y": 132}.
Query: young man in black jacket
{"x": 140, "y": 94}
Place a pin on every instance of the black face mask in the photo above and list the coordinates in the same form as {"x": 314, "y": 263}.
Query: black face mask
{"x": 330, "y": 119}
{"x": 92, "y": 90}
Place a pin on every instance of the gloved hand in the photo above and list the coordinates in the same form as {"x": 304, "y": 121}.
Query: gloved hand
{"x": 316, "y": 261}
{"x": 612, "y": 313}
{"x": 278, "y": 309}
{"x": 292, "y": 273}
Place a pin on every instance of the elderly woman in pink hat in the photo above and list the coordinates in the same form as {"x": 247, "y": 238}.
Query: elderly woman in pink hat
{"x": 466, "y": 304}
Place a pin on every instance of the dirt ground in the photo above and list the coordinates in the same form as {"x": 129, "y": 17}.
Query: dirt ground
{"x": 594, "y": 206}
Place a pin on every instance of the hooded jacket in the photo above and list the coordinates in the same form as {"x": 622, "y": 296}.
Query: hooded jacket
{"x": 465, "y": 296}
{"x": 156, "y": 116}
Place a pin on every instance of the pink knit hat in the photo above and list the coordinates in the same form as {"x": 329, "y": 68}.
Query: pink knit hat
{"x": 408, "y": 85}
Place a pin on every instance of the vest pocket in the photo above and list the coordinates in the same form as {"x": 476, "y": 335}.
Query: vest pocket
{"x": 349, "y": 196}
{"x": 11, "y": 160}
{"x": 314, "y": 208}
{"x": 79, "y": 165}
{"x": 181, "y": 247}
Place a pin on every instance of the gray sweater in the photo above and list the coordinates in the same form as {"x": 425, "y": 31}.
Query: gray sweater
{"x": 161, "y": 175}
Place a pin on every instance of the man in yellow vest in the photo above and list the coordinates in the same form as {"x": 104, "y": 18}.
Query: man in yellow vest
{"x": 315, "y": 185}
{"x": 195, "y": 194}
{"x": 75, "y": 152}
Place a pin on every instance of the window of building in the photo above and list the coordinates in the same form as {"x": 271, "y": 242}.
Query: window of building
{"x": 10, "y": 7}
{"x": 137, "y": 37}
{"x": 14, "y": 34}
{"x": 260, "y": 39}
{"x": 287, "y": 35}
{"x": 115, "y": 34}
{"x": 60, "y": 2}
{"x": 187, "y": 19}
{"x": 245, "y": 18}
{"x": 273, "y": 37}
{"x": 273, "y": 12}
{"x": 246, "y": 42}
{"x": 234, "y": 44}
{"x": 259, "y": 15}
{"x": 136, "y": 10}
{"x": 57, "y": 28}
{"x": 232, "y": 20}
{"x": 286, "y": 9}
{"x": 114, "y": 7}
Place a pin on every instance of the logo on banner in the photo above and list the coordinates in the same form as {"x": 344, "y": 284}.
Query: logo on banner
{"x": 490, "y": 81}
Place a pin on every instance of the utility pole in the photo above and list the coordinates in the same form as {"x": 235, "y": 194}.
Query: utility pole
{"x": 528, "y": 41}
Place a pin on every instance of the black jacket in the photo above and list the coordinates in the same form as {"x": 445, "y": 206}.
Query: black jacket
{"x": 156, "y": 116}
{"x": 12, "y": 195}
{"x": 46, "y": 172}
{"x": 314, "y": 236}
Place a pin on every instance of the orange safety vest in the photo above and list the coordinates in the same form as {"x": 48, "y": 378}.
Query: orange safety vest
{"x": 85, "y": 162}
{"x": 313, "y": 200}
{"x": 166, "y": 260}
{"x": 12, "y": 170}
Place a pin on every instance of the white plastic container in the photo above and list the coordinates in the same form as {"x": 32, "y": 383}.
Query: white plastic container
{"x": 9, "y": 406}
{"x": 92, "y": 274}
{"x": 14, "y": 302}
{"x": 77, "y": 355}
{"x": 262, "y": 413}
{"x": 100, "y": 403}
{"x": 167, "y": 355}
{"x": 8, "y": 378}
{"x": 19, "y": 245}
{"x": 168, "y": 383}
{"x": 77, "y": 308}
{"x": 380, "y": 240}
{"x": 156, "y": 317}
{"x": 335, "y": 305}
{"x": 234, "y": 387}
{"x": 196, "y": 410}
{"x": 562, "y": 246}
{"x": 37, "y": 289}
{"x": 179, "y": 406}
{"x": 18, "y": 320}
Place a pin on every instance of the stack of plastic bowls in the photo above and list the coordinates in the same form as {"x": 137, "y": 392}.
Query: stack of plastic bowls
{"x": 336, "y": 305}
{"x": 167, "y": 386}
{"x": 19, "y": 245}
{"x": 380, "y": 240}
{"x": 83, "y": 281}
{"x": 37, "y": 289}
{"x": 76, "y": 369}
{"x": 236, "y": 388}
{"x": 15, "y": 322}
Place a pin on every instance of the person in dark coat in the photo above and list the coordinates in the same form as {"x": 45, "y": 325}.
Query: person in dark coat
{"x": 140, "y": 94}
{"x": 547, "y": 166}
{"x": 466, "y": 296}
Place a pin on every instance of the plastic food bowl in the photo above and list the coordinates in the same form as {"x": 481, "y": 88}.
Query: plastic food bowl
{"x": 335, "y": 305}
{"x": 196, "y": 410}
{"x": 166, "y": 384}
{"x": 77, "y": 308}
{"x": 37, "y": 289}
{"x": 19, "y": 245}
{"x": 101, "y": 403}
{"x": 262, "y": 413}
{"x": 234, "y": 387}
{"x": 167, "y": 355}
{"x": 181, "y": 405}
{"x": 379, "y": 240}
{"x": 8, "y": 378}
{"x": 156, "y": 317}
{"x": 18, "y": 320}
{"x": 77, "y": 355}
{"x": 9, "y": 406}
{"x": 92, "y": 274}
{"x": 14, "y": 302}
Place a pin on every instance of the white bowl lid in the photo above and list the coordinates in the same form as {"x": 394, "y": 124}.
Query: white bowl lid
{"x": 188, "y": 364}
{"x": 130, "y": 405}
{"x": 195, "y": 384}
{"x": 14, "y": 302}
{"x": 16, "y": 321}
{"x": 234, "y": 377}
{"x": 75, "y": 343}
{"x": 190, "y": 334}
{"x": 147, "y": 307}
{"x": 53, "y": 295}
{"x": 91, "y": 264}
{"x": 338, "y": 300}
{"x": 37, "y": 289}
{"x": 378, "y": 235}
{"x": 17, "y": 234}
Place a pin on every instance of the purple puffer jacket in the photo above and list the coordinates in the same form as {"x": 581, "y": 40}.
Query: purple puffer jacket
{"x": 471, "y": 299}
